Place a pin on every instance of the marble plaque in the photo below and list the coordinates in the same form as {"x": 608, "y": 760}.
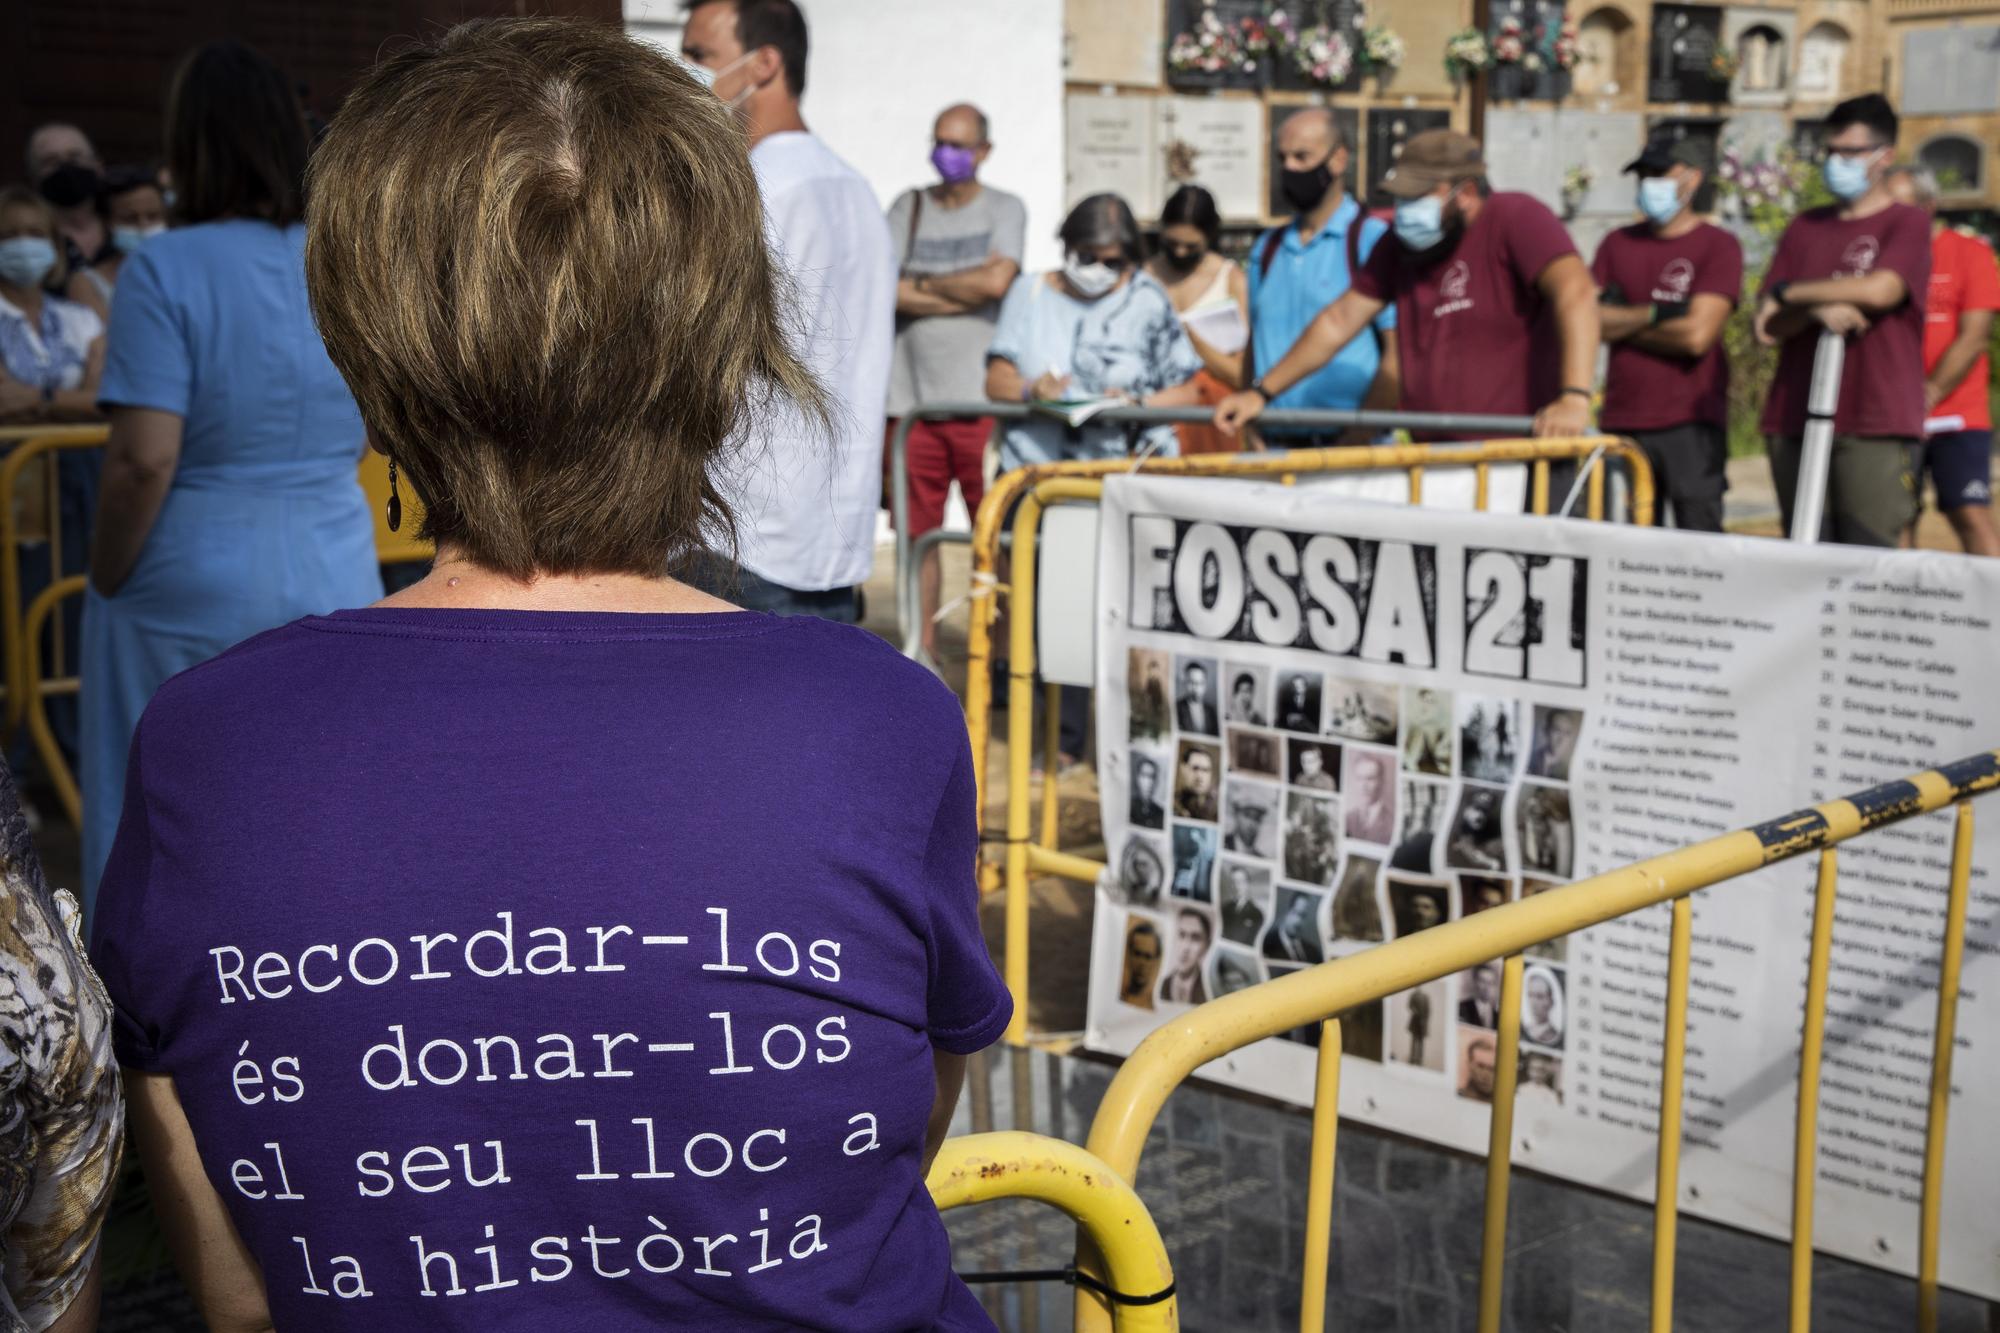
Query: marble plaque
{"x": 1113, "y": 144}
{"x": 1680, "y": 48}
{"x": 1218, "y": 144}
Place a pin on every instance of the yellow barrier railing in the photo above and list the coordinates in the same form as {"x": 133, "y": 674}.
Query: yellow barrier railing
{"x": 1029, "y": 491}
{"x": 37, "y": 690}
{"x": 24, "y": 446}
{"x": 1016, "y": 1165}
{"x": 1185, "y": 1043}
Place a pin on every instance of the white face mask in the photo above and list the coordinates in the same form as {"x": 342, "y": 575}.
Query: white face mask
{"x": 1090, "y": 279}
{"x": 706, "y": 77}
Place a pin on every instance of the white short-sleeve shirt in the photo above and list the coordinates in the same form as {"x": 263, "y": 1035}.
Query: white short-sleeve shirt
{"x": 806, "y": 506}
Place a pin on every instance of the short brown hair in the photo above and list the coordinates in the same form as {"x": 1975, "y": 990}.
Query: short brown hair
{"x": 236, "y": 137}
{"x": 536, "y": 251}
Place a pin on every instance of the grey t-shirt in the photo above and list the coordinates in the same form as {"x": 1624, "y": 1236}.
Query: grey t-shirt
{"x": 942, "y": 358}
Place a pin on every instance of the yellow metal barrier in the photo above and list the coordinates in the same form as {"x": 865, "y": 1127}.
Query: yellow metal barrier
{"x": 1029, "y": 491}
{"x": 1186, "y": 1042}
{"x": 38, "y": 690}
{"x": 1016, "y": 1165}
{"x": 23, "y": 446}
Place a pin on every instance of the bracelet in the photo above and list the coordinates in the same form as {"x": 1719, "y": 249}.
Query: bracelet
{"x": 1778, "y": 290}
{"x": 1257, "y": 387}
{"x": 1584, "y": 394}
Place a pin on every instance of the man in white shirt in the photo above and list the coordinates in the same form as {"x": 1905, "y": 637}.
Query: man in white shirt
{"x": 805, "y": 504}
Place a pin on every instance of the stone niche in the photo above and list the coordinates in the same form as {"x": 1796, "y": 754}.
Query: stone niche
{"x": 1610, "y": 57}
{"x": 1763, "y": 42}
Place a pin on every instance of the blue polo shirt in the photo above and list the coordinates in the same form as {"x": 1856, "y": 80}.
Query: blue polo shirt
{"x": 1304, "y": 278}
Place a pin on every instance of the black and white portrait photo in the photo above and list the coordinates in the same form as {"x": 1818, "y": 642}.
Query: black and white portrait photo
{"x": 1556, "y": 731}
{"x": 1194, "y": 863}
{"x": 1312, "y": 841}
{"x": 1313, "y": 765}
{"x": 1246, "y": 901}
{"x": 1194, "y": 696}
{"x": 1298, "y": 707}
{"x": 1478, "y": 839}
{"x": 1542, "y": 1006}
{"x": 1148, "y": 787}
{"x": 1414, "y": 907}
{"x": 1196, "y": 778}
{"x": 1427, "y": 730}
{"x": 1489, "y": 737}
{"x": 1233, "y": 971}
{"x": 1295, "y": 936}
{"x": 1249, "y": 694}
{"x": 1146, "y": 691}
{"x": 1361, "y": 710}
{"x": 1250, "y": 819}
{"x": 1477, "y": 893}
{"x": 1357, "y": 914}
{"x": 1368, "y": 789}
{"x": 1254, "y": 752}
{"x": 1416, "y": 832}
{"x": 1142, "y": 871}
{"x": 1548, "y": 838}
{"x": 1142, "y": 964}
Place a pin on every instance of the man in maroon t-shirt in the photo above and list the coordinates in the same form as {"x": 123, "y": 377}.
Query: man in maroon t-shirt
{"x": 1666, "y": 288}
{"x": 1859, "y": 268}
{"x": 1495, "y": 312}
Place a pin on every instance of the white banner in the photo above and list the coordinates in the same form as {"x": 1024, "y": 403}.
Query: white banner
{"x": 1324, "y": 724}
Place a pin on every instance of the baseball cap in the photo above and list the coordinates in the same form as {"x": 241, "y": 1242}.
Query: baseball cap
{"x": 1431, "y": 159}
{"x": 1662, "y": 156}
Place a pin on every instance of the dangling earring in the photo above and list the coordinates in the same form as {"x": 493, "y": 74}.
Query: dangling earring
{"x": 395, "y": 501}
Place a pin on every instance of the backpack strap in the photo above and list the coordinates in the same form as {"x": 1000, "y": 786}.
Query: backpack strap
{"x": 1268, "y": 251}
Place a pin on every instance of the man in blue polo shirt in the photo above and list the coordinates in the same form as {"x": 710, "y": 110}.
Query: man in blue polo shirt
{"x": 1298, "y": 269}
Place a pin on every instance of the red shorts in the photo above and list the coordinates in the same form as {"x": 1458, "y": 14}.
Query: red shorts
{"x": 941, "y": 452}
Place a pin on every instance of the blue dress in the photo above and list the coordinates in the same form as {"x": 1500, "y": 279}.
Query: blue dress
{"x": 266, "y": 520}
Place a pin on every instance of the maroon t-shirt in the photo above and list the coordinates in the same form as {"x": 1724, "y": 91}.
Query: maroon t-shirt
{"x": 1474, "y": 332}
{"x": 1646, "y": 390}
{"x": 1882, "y": 379}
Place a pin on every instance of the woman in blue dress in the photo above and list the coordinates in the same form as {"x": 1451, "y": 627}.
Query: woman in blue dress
{"x": 229, "y": 500}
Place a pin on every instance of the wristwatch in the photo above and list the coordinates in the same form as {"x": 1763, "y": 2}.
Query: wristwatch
{"x": 1257, "y": 387}
{"x": 1778, "y": 290}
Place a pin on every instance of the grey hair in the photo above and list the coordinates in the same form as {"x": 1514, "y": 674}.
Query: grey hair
{"x": 1922, "y": 179}
{"x": 1103, "y": 219}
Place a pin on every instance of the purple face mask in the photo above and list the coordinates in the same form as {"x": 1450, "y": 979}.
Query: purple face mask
{"x": 953, "y": 163}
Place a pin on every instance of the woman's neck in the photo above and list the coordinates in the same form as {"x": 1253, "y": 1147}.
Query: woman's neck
{"x": 27, "y": 300}
{"x": 456, "y": 582}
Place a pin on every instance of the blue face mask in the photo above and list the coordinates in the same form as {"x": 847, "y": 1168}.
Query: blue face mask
{"x": 1420, "y": 222}
{"x": 128, "y": 239}
{"x": 26, "y": 260}
{"x": 1847, "y": 177}
{"x": 1660, "y": 199}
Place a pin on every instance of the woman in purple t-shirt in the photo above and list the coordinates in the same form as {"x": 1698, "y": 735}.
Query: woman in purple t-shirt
{"x": 550, "y": 945}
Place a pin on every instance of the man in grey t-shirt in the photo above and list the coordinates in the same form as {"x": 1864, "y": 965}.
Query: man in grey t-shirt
{"x": 958, "y": 248}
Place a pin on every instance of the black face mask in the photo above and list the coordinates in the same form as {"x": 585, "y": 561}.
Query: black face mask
{"x": 70, "y": 184}
{"x": 1303, "y": 190}
{"x": 1180, "y": 261}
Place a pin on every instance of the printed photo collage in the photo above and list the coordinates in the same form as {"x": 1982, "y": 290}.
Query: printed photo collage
{"x": 1281, "y": 816}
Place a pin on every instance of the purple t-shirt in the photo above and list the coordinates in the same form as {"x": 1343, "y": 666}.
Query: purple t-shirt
{"x": 537, "y": 970}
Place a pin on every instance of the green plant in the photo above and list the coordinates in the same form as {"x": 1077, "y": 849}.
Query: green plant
{"x": 1766, "y": 191}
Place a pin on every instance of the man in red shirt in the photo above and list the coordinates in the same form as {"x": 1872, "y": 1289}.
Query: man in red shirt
{"x": 1859, "y": 267}
{"x": 1495, "y": 313}
{"x": 1666, "y": 288}
{"x": 1958, "y": 320}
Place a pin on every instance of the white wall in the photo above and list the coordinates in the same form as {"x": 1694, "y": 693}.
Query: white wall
{"x": 881, "y": 70}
